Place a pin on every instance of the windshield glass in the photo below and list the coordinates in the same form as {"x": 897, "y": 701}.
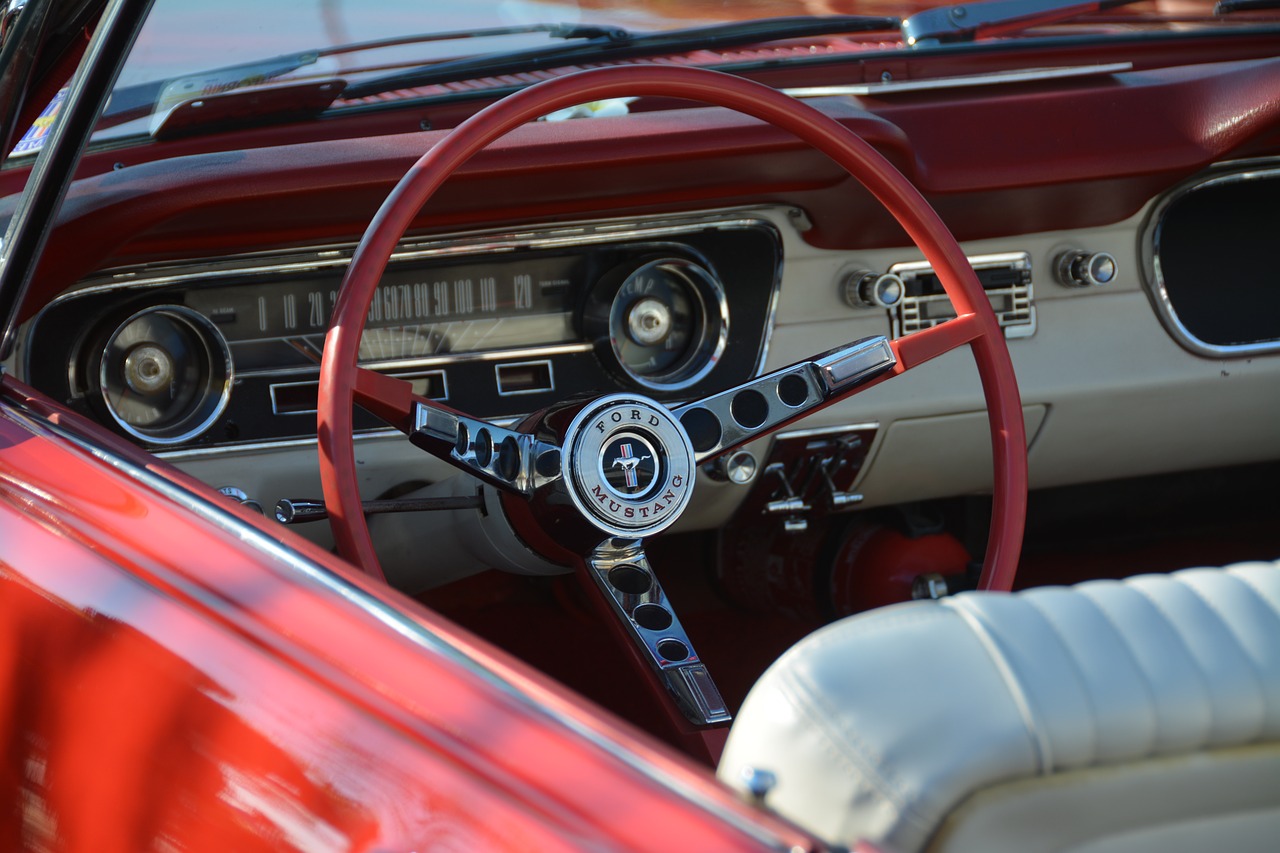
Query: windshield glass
{"x": 250, "y": 43}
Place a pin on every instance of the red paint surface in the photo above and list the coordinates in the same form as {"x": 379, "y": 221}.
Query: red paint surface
{"x": 164, "y": 682}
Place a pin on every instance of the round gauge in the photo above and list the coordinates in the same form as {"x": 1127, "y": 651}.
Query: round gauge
{"x": 666, "y": 322}
{"x": 165, "y": 374}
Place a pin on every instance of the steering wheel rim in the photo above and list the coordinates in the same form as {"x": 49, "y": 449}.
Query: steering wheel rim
{"x": 894, "y": 192}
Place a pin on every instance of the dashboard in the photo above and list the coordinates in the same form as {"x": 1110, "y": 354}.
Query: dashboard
{"x": 185, "y": 299}
{"x": 225, "y": 352}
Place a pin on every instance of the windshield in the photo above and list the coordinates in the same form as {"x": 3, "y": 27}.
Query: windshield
{"x": 335, "y": 46}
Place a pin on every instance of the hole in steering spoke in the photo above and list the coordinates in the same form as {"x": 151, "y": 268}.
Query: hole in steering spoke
{"x": 463, "y": 442}
{"x": 793, "y": 390}
{"x": 508, "y": 458}
{"x": 653, "y": 617}
{"x": 703, "y": 428}
{"x": 631, "y": 580}
{"x": 673, "y": 650}
{"x": 749, "y": 408}
{"x": 484, "y": 448}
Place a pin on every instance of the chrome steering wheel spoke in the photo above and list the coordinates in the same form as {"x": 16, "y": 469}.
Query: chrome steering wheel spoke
{"x": 622, "y": 573}
{"x": 505, "y": 458}
{"x": 721, "y": 422}
{"x": 510, "y": 460}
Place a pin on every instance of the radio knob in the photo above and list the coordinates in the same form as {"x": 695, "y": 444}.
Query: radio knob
{"x": 1077, "y": 268}
{"x": 864, "y": 289}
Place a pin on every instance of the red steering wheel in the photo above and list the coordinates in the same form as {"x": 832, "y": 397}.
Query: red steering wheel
{"x": 507, "y": 459}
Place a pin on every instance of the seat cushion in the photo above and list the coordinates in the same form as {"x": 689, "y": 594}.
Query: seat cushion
{"x": 880, "y": 725}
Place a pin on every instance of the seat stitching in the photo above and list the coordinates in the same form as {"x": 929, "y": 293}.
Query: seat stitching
{"x": 1197, "y": 668}
{"x": 1265, "y": 601}
{"x": 1147, "y": 684}
{"x": 1258, "y": 592}
{"x": 1040, "y": 745}
{"x": 1079, "y": 672}
{"x": 1229, "y": 631}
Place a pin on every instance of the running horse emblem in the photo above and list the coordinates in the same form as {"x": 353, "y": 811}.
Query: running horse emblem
{"x": 628, "y": 464}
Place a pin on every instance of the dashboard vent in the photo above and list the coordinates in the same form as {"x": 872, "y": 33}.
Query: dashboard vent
{"x": 1006, "y": 279}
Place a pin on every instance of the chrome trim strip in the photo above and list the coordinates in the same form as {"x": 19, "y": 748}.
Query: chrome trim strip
{"x": 389, "y": 365}
{"x": 477, "y": 242}
{"x": 1153, "y": 275}
{"x": 176, "y": 456}
{"x": 393, "y": 619}
{"x": 306, "y": 442}
{"x": 831, "y": 430}
{"x": 487, "y": 355}
{"x": 996, "y": 78}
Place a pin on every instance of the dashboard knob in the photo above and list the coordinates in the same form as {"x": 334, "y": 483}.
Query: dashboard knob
{"x": 738, "y": 468}
{"x": 865, "y": 289}
{"x": 1076, "y": 268}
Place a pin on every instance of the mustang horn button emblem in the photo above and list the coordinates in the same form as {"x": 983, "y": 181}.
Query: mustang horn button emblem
{"x": 628, "y": 465}
{"x": 622, "y": 452}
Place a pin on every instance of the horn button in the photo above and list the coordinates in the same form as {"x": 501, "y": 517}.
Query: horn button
{"x": 628, "y": 465}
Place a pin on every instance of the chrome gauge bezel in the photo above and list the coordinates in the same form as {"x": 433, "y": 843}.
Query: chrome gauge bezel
{"x": 710, "y": 335}
{"x": 211, "y": 401}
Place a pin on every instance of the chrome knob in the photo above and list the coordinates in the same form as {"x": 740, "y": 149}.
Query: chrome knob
{"x": 738, "y": 468}
{"x": 649, "y": 322}
{"x": 1076, "y": 268}
{"x": 300, "y": 510}
{"x": 929, "y": 586}
{"x": 864, "y": 289}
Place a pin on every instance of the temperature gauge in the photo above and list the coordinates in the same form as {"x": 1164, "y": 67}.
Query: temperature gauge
{"x": 663, "y": 323}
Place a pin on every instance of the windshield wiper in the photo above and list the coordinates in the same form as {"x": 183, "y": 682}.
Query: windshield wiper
{"x": 613, "y": 43}
{"x": 1226, "y": 7}
{"x": 140, "y": 99}
{"x": 996, "y": 18}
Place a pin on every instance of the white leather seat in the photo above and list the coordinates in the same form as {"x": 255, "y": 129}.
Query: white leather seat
{"x": 1134, "y": 715}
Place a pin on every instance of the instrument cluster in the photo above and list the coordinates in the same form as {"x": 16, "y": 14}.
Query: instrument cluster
{"x": 227, "y": 351}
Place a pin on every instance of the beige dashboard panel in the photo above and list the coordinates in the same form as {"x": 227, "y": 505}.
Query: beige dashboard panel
{"x": 936, "y": 456}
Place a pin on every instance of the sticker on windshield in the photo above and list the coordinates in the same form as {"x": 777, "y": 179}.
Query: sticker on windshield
{"x": 33, "y": 139}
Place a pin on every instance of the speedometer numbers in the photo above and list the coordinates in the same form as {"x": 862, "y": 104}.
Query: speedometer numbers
{"x": 662, "y": 323}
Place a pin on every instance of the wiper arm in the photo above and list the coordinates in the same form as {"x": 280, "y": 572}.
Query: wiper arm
{"x": 612, "y": 43}
{"x": 1226, "y": 7}
{"x": 995, "y": 18}
{"x": 130, "y": 102}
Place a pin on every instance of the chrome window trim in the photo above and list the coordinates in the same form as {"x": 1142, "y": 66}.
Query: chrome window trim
{"x": 1153, "y": 276}
{"x": 323, "y": 579}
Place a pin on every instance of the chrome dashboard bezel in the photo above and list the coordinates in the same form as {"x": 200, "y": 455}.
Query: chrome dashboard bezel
{"x": 771, "y": 220}
{"x": 216, "y": 347}
{"x": 1153, "y": 276}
